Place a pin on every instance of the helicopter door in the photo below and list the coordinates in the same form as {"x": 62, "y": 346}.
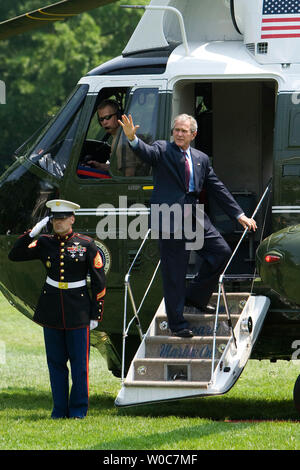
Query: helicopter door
{"x": 118, "y": 180}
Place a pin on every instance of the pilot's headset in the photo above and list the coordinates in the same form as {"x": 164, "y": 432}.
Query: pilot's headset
{"x": 114, "y": 104}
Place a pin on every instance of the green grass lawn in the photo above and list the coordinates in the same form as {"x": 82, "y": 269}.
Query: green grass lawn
{"x": 264, "y": 392}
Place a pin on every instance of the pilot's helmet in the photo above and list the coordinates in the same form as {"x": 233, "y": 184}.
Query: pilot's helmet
{"x": 61, "y": 208}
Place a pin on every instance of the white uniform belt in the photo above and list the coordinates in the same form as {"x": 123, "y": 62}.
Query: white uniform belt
{"x": 65, "y": 285}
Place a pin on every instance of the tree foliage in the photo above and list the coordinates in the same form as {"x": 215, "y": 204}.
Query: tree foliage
{"x": 41, "y": 67}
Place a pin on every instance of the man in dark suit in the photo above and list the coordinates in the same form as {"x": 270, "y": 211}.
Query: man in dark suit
{"x": 179, "y": 174}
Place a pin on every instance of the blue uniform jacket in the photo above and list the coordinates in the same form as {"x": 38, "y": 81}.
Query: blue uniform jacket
{"x": 66, "y": 259}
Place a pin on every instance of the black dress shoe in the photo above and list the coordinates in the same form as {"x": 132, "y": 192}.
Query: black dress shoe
{"x": 184, "y": 333}
{"x": 207, "y": 309}
{"x": 202, "y": 308}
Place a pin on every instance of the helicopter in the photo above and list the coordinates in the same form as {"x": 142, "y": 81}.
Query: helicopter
{"x": 234, "y": 65}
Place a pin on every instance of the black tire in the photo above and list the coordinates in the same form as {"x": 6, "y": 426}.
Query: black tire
{"x": 297, "y": 394}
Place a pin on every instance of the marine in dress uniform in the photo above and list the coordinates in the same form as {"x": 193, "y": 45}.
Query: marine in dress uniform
{"x": 65, "y": 309}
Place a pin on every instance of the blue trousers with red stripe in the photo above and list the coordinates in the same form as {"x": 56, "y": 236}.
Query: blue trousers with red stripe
{"x": 73, "y": 346}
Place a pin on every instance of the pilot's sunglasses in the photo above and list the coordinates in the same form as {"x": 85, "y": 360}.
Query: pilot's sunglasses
{"x": 107, "y": 117}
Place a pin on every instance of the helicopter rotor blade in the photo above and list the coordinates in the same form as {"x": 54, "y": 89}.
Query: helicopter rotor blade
{"x": 59, "y": 11}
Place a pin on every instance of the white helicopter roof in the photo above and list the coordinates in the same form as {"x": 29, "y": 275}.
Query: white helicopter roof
{"x": 269, "y": 29}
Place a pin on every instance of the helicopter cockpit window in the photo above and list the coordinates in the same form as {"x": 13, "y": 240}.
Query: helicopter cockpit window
{"x": 143, "y": 107}
{"x": 95, "y": 152}
{"x": 105, "y": 151}
{"x": 94, "y": 160}
{"x": 53, "y": 149}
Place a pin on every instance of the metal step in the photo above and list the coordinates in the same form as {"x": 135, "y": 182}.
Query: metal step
{"x": 236, "y": 301}
{"x": 197, "y": 347}
{"x": 201, "y": 324}
{"x": 172, "y": 370}
{"x": 163, "y": 383}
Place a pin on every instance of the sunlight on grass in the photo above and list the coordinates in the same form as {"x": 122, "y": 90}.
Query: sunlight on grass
{"x": 264, "y": 391}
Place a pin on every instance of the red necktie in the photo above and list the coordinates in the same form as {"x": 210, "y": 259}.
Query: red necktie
{"x": 187, "y": 171}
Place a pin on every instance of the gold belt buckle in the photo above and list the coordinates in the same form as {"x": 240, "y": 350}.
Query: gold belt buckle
{"x": 63, "y": 285}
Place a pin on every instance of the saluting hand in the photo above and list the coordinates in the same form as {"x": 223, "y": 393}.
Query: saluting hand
{"x": 93, "y": 324}
{"x": 128, "y": 127}
{"x": 38, "y": 227}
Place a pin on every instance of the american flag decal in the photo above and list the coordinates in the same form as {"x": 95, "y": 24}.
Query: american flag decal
{"x": 281, "y": 19}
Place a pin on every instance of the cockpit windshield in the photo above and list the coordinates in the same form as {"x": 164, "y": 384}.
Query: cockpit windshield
{"x": 52, "y": 149}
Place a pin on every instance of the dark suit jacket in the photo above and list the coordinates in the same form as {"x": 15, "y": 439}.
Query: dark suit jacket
{"x": 168, "y": 165}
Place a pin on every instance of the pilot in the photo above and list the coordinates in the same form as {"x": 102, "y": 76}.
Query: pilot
{"x": 108, "y": 112}
{"x": 65, "y": 309}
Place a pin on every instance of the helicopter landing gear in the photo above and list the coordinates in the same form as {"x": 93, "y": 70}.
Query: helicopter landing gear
{"x": 297, "y": 394}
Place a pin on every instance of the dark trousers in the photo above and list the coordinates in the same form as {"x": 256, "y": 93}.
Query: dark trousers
{"x": 63, "y": 346}
{"x": 212, "y": 258}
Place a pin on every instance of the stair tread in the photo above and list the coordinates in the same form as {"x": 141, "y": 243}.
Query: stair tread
{"x": 172, "y": 360}
{"x": 165, "y": 383}
{"x": 201, "y": 316}
{"x": 178, "y": 339}
{"x": 235, "y": 294}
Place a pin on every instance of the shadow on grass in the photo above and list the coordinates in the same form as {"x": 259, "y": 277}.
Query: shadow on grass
{"x": 27, "y": 399}
{"x": 219, "y": 409}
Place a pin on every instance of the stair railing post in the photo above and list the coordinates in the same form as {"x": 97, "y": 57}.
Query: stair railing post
{"x": 136, "y": 311}
{"x": 215, "y": 331}
{"x": 229, "y": 322}
{"x": 124, "y": 328}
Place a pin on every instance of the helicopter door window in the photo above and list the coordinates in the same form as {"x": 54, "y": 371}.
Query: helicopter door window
{"x": 53, "y": 150}
{"x": 143, "y": 107}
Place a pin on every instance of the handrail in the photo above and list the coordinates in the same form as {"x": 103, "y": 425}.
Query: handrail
{"x": 221, "y": 289}
{"x": 136, "y": 310}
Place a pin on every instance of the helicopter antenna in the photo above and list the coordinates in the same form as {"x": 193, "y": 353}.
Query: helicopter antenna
{"x": 172, "y": 9}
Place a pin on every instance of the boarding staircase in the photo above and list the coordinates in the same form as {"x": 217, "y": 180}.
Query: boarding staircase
{"x": 167, "y": 367}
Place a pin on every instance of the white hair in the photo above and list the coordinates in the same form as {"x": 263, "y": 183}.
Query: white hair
{"x": 186, "y": 117}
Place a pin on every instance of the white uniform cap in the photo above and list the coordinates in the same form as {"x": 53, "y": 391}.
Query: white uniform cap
{"x": 62, "y": 208}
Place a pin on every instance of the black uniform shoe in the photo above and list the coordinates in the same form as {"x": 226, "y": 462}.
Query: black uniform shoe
{"x": 184, "y": 333}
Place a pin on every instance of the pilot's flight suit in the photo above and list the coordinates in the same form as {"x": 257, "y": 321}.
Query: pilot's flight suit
{"x": 65, "y": 310}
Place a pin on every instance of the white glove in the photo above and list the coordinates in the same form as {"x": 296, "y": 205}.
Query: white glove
{"x": 93, "y": 324}
{"x": 38, "y": 227}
